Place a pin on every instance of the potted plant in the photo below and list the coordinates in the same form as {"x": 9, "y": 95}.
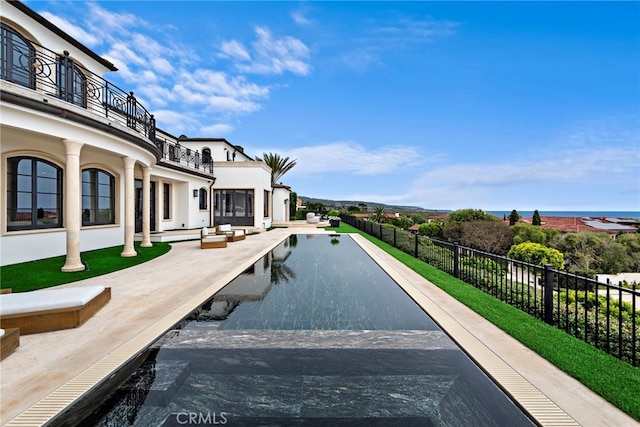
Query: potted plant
{"x": 334, "y": 219}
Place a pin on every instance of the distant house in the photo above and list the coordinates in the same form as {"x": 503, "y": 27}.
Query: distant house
{"x": 437, "y": 217}
{"x": 578, "y": 224}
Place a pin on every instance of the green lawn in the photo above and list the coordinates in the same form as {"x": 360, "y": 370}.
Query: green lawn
{"x": 45, "y": 273}
{"x": 615, "y": 380}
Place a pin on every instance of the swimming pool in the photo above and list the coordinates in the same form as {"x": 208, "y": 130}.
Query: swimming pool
{"x": 314, "y": 333}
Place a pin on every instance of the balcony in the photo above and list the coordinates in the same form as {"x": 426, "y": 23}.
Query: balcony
{"x": 176, "y": 156}
{"x": 46, "y": 72}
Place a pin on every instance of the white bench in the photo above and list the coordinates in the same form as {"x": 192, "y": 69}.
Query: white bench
{"x": 51, "y": 309}
{"x": 233, "y": 235}
{"x": 208, "y": 241}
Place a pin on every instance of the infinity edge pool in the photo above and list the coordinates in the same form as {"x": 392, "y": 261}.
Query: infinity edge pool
{"x": 529, "y": 398}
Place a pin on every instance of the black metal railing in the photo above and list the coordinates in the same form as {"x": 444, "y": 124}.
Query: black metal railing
{"x": 58, "y": 75}
{"x": 175, "y": 153}
{"x": 601, "y": 314}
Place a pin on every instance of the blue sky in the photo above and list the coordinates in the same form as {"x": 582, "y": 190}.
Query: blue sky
{"x": 444, "y": 105}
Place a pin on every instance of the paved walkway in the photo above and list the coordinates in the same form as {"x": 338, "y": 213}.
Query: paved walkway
{"x": 147, "y": 293}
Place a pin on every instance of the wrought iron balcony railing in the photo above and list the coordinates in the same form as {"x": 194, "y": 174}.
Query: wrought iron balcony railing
{"x": 178, "y": 155}
{"x": 36, "y": 67}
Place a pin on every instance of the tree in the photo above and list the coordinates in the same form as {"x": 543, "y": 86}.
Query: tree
{"x": 378, "y": 215}
{"x": 293, "y": 204}
{"x": 615, "y": 259}
{"x": 488, "y": 236}
{"x": 536, "y": 218}
{"x": 631, "y": 242}
{"x": 523, "y": 232}
{"x": 279, "y": 165}
{"x": 465, "y": 215}
{"x": 582, "y": 250}
{"x": 430, "y": 229}
{"x": 535, "y": 253}
{"x": 403, "y": 222}
{"x": 417, "y": 218}
{"x": 514, "y": 216}
{"x": 317, "y": 207}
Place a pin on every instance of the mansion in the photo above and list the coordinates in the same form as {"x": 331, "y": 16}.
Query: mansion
{"x": 84, "y": 165}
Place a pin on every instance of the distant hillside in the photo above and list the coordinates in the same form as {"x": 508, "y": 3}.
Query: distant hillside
{"x": 338, "y": 204}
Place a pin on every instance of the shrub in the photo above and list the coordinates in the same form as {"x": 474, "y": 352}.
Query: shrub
{"x": 535, "y": 253}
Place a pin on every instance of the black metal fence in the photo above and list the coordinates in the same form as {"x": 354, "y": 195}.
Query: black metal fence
{"x": 35, "y": 67}
{"x": 603, "y": 315}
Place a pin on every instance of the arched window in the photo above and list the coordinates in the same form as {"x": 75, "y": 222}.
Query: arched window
{"x": 72, "y": 84}
{"x": 206, "y": 155}
{"x": 17, "y": 57}
{"x": 98, "y": 197}
{"x": 203, "y": 199}
{"x": 34, "y": 194}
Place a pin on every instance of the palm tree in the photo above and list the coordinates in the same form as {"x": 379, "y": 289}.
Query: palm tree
{"x": 378, "y": 215}
{"x": 279, "y": 165}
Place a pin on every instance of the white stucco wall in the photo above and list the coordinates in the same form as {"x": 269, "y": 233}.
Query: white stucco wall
{"x": 28, "y": 246}
{"x": 246, "y": 175}
{"x": 280, "y": 204}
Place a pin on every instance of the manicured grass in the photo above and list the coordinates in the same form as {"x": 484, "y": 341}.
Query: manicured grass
{"x": 615, "y": 380}
{"x": 44, "y": 273}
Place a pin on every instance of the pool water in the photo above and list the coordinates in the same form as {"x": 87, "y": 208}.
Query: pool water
{"x": 315, "y": 333}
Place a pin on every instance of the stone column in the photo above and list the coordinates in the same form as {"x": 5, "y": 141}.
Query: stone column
{"x": 129, "y": 207}
{"x": 72, "y": 205}
{"x": 146, "y": 207}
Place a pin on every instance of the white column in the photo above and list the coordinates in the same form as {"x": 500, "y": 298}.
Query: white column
{"x": 72, "y": 206}
{"x": 146, "y": 207}
{"x": 129, "y": 207}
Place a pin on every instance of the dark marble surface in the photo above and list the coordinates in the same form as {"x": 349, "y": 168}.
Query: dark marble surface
{"x": 315, "y": 333}
{"x": 309, "y": 339}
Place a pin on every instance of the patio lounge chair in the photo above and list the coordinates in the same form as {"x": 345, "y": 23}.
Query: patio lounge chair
{"x": 9, "y": 341}
{"x": 208, "y": 240}
{"x": 312, "y": 218}
{"x": 232, "y": 235}
{"x": 51, "y": 309}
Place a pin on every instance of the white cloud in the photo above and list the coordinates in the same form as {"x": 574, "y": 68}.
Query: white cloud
{"x": 111, "y": 23}
{"x": 300, "y": 18}
{"x": 175, "y": 122}
{"x": 217, "y": 129}
{"x": 269, "y": 54}
{"x": 351, "y": 158}
{"x": 166, "y": 74}
{"x": 383, "y": 37}
{"x": 233, "y": 49}
{"x": 569, "y": 180}
{"x": 73, "y": 30}
{"x": 361, "y": 59}
{"x": 409, "y": 30}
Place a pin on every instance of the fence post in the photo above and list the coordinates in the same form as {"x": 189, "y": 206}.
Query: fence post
{"x": 415, "y": 248}
{"x": 548, "y": 294}
{"x": 456, "y": 257}
{"x": 394, "y": 238}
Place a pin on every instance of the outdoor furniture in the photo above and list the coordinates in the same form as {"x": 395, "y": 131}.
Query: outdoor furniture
{"x": 9, "y": 341}
{"x": 232, "y": 235}
{"x": 312, "y": 218}
{"x": 51, "y": 309}
{"x": 208, "y": 241}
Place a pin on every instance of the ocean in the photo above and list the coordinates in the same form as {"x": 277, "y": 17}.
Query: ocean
{"x": 580, "y": 214}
